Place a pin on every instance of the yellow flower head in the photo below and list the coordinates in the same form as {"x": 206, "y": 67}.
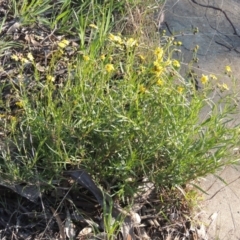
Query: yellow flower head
{"x": 168, "y": 62}
{"x": 159, "y": 53}
{"x": 15, "y": 57}
{"x": 131, "y": 43}
{"x": 102, "y": 57}
{"x": 93, "y": 26}
{"x": 176, "y": 63}
{"x": 50, "y": 78}
{"x": 180, "y": 89}
{"x": 115, "y": 39}
{"x": 19, "y": 104}
{"x": 64, "y": 43}
{"x": 142, "y": 69}
{"x": 228, "y": 69}
{"x": 24, "y": 60}
{"x": 142, "y": 58}
{"x": 86, "y": 58}
{"x": 109, "y": 67}
{"x": 142, "y": 89}
{"x": 223, "y": 87}
{"x": 13, "y": 118}
{"x": 30, "y": 56}
{"x": 204, "y": 79}
{"x": 160, "y": 82}
{"x": 213, "y": 77}
{"x": 156, "y": 64}
{"x": 158, "y": 69}
{"x": 196, "y": 48}
{"x": 179, "y": 43}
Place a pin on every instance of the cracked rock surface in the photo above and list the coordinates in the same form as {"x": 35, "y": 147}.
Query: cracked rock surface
{"x": 216, "y": 24}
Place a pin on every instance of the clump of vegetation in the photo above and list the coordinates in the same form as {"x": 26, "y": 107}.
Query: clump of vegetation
{"x": 120, "y": 116}
{"x": 119, "y": 110}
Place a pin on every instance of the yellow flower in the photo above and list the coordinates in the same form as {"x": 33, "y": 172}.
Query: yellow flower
{"x": 93, "y": 26}
{"x": 13, "y": 118}
{"x": 223, "y": 87}
{"x": 213, "y": 77}
{"x": 195, "y": 30}
{"x": 168, "y": 62}
{"x": 196, "y": 48}
{"x": 142, "y": 69}
{"x": 176, "y": 63}
{"x": 116, "y": 39}
{"x": 102, "y": 57}
{"x": 142, "y": 89}
{"x": 142, "y": 58}
{"x": 228, "y": 69}
{"x": 24, "y": 60}
{"x": 111, "y": 37}
{"x": 110, "y": 58}
{"x": 160, "y": 82}
{"x": 156, "y": 64}
{"x": 86, "y": 58}
{"x": 109, "y": 67}
{"x": 179, "y": 43}
{"x": 19, "y": 104}
{"x": 159, "y": 53}
{"x": 180, "y": 89}
{"x": 63, "y": 43}
{"x": 30, "y": 56}
{"x": 131, "y": 43}
{"x": 50, "y": 78}
{"x": 158, "y": 69}
{"x": 15, "y": 57}
{"x": 204, "y": 79}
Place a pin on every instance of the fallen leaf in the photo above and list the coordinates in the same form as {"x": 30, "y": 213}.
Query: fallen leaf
{"x": 31, "y": 192}
{"x": 40, "y": 68}
{"x": 85, "y": 231}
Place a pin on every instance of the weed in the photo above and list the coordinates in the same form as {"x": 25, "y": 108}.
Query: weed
{"x": 124, "y": 118}
{"x": 122, "y": 111}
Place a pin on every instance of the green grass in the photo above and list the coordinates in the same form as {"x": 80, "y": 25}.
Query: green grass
{"x": 120, "y": 116}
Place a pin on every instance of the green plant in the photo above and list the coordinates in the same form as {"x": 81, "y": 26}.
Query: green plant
{"x": 111, "y": 225}
{"x": 122, "y": 111}
{"x": 29, "y": 12}
{"x": 121, "y": 117}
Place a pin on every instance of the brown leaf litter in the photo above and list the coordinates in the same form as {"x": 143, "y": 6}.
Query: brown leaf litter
{"x": 74, "y": 209}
